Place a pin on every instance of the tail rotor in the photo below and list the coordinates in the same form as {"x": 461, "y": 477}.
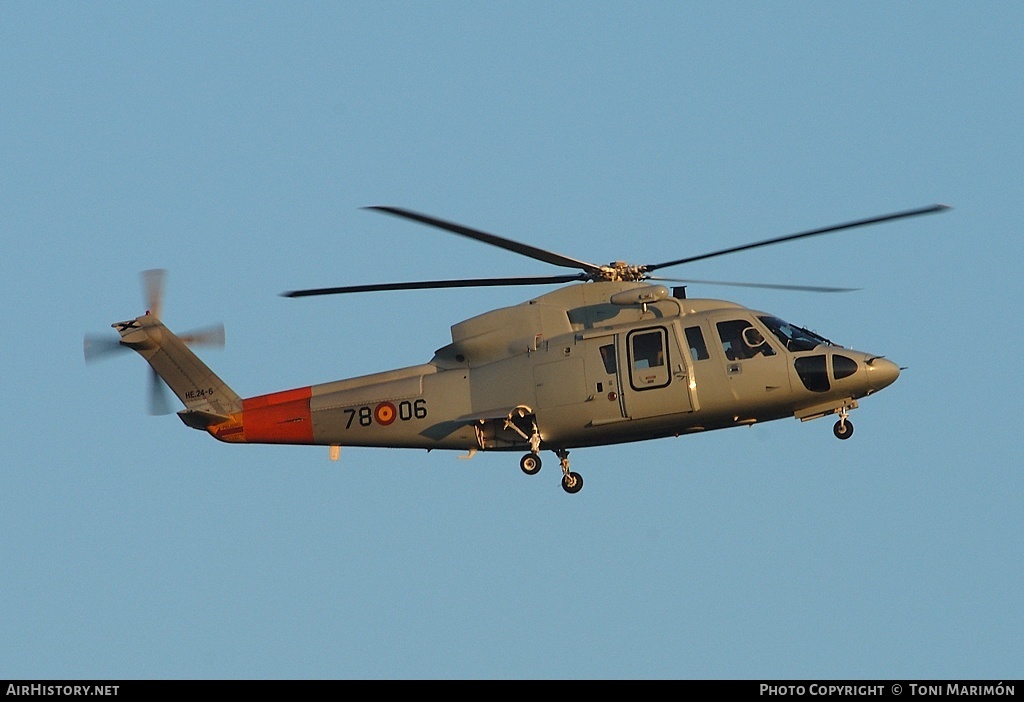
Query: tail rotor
{"x": 99, "y": 347}
{"x": 154, "y": 283}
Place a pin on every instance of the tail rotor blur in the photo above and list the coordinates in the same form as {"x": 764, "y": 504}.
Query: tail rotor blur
{"x": 99, "y": 347}
{"x": 159, "y": 398}
{"x": 154, "y": 283}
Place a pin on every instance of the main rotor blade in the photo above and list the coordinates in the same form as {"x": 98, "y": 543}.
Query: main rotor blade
{"x": 769, "y": 286}
{"x": 435, "y": 284}
{"x": 492, "y": 239}
{"x": 813, "y": 232}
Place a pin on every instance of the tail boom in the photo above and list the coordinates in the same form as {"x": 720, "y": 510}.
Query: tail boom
{"x": 210, "y": 405}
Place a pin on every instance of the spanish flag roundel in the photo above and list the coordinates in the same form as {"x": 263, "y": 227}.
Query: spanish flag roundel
{"x": 385, "y": 413}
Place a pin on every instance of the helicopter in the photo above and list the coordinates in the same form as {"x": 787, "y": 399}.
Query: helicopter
{"x": 608, "y": 358}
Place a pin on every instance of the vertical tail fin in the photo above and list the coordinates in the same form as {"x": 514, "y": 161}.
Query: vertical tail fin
{"x": 207, "y": 399}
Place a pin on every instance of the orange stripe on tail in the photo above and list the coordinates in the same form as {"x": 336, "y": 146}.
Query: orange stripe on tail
{"x": 277, "y": 418}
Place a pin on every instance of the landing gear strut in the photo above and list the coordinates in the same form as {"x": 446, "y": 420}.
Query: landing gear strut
{"x": 843, "y": 429}
{"x": 522, "y": 421}
{"x": 571, "y": 482}
{"x": 530, "y": 463}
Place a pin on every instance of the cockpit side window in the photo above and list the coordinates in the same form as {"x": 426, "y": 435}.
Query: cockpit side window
{"x": 813, "y": 373}
{"x": 742, "y": 340}
{"x": 843, "y": 366}
{"x": 794, "y": 338}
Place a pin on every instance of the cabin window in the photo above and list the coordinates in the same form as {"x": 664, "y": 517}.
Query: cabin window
{"x": 742, "y": 340}
{"x": 812, "y": 372}
{"x": 648, "y": 362}
{"x": 608, "y": 358}
{"x": 843, "y": 367}
{"x": 695, "y": 340}
{"x": 648, "y": 350}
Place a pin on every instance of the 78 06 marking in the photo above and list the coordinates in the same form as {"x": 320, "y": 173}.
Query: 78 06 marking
{"x": 383, "y": 413}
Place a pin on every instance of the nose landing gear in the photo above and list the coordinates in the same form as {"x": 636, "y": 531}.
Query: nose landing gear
{"x": 843, "y": 429}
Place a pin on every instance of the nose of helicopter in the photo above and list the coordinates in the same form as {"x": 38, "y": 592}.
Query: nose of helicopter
{"x": 882, "y": 373}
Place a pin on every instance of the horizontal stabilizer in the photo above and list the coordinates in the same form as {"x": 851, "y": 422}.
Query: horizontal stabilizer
{"x": 201, "y": 419}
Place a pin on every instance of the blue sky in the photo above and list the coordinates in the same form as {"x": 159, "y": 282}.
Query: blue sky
{"x": 234, "y": 145}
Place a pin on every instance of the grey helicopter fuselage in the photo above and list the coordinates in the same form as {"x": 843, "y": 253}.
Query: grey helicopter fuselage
{"x": 585, "y": 365}
{"x": 607, "y": 359}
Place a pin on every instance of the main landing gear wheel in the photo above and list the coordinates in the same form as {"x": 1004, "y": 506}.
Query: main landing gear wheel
{"x": 530, "y": 463}
{"x": 843, "y": 429}
{"x": 572, "y": 482}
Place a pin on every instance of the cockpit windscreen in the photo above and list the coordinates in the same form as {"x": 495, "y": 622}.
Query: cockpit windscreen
{"x": 794, "y": 338}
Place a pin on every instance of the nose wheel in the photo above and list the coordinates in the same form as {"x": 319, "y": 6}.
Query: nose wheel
{"x": 843, "y": 429}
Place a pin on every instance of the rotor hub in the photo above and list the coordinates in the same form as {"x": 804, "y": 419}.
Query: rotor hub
{"x": 620, "y": 271}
